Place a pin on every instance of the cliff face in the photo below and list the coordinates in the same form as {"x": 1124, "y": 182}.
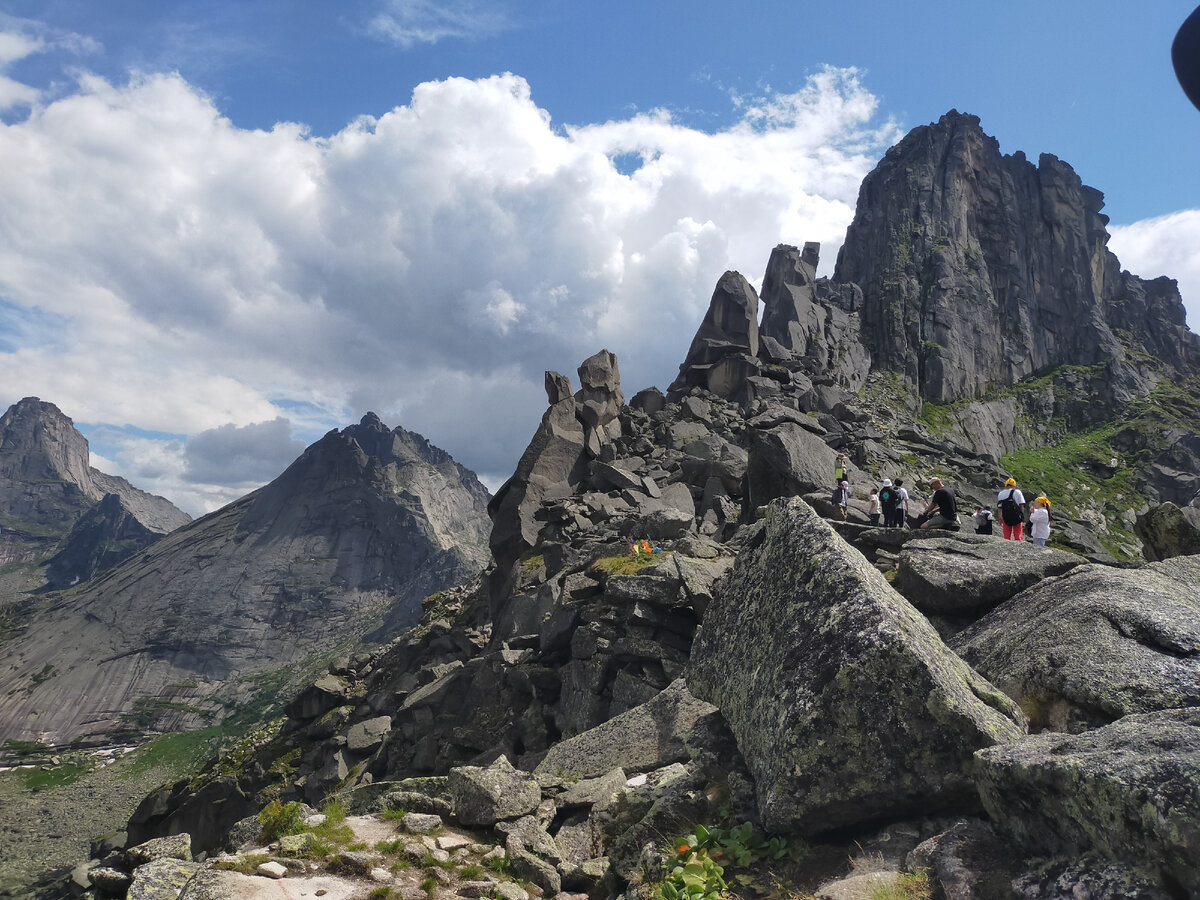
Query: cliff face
{"x": 348, "y": 540}
{"x": 980, "y": 269}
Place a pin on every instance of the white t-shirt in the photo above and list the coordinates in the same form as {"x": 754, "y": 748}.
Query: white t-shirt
{"x": 1016, "y": 495}
{"x": 902, "y": 493}
{"x": 1039, "y": 520}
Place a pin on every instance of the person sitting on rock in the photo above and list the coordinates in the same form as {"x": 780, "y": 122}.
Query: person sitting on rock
{"x": 1039, "y": 520}
{"x": 633, "y": 546}
{"x": 946, "y": 505}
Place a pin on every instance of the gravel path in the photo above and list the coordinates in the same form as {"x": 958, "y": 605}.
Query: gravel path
{"x": 51, "y": 827}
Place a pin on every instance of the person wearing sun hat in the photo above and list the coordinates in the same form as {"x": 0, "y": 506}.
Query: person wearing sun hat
{"x": 1039, "y": 520}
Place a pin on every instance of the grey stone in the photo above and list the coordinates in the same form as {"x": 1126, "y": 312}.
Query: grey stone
{"x": 1167, "y": 530}
{"x": 272, "y": 869}
{"x": 161, "y": 879}
{"x": 646, "y": 737}
{"x": 1130, "y": 790}
{"x": 363, "y": 737}
{"x": 421, "y": 823}
{"x": 485, "y": 796}
{"x": 968, "y": 861}
{"x": 176, "y": 846}
{"x": 1095, "y": 644}
{"x": 871, "y": 714}
{"x": 592, "y": 791}
{"x": 969, "y": 575}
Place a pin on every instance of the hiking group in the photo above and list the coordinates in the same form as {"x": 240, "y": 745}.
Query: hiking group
{"x": 888, "y": 505}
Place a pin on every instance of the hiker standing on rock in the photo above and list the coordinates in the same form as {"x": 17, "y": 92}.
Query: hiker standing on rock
{"x": 841, "y": 470}
{"x": 874, "y": 507}
{"x": 946, "y": 505}
{"x": 1010, "y": 504}
{"x": 841, "y": 497}
{"x": 888, "y": 498}
{"x": 901, "y": 520}
{"x": 1039, "y": 521}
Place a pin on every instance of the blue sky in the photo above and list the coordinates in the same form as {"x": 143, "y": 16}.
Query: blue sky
{"x": 458, "y": 202}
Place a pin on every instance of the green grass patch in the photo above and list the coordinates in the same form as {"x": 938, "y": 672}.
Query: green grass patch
{"x": 909, "y": 886}
{"x": 57, "y": 776}
{"x": 393, "y": 815}
{"x": 180, "y": 753}
{"x": 627, "y": 564}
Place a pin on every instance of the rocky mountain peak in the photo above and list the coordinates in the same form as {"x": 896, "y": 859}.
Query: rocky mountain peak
{"x": 980, "y": 269}
{"x": 38, "y": 443}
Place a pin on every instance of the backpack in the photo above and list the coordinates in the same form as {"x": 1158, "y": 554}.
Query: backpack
{"x": 1010, "y": 510}
{"x": 888, "y": 498}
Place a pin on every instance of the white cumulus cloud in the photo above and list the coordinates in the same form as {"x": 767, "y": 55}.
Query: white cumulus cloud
{"x": 164, "y": 269}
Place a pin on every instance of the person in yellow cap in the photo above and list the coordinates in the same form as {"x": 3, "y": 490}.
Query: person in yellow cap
{"x": 1039, "y": 520}
{"x": 1010, "y": 509}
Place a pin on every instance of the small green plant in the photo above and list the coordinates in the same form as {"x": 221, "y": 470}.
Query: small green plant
{"x": 914, "y": 886}
{"x": 498, "y": 864}
{"x": 380, "y": 892}
{"x": 471, "y": 872}
{"x": 428, "y": 885}
{"x": 394, "y": 814}
{"x": 278, "y": 819}
{"x": 334, "y": 812}
{"x": 702, "y": 857}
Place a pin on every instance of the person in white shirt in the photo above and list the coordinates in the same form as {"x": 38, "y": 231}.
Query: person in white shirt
{"x": 1039, "y": 521}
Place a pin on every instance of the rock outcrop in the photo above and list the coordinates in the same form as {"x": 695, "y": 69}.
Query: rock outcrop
{"x": 871, "y": 715}
{"x": 1130, "y": 790}
{"x": 1093, "y": 645}
{"x": 979, "y": 269}
{"x": 363, "y": 526}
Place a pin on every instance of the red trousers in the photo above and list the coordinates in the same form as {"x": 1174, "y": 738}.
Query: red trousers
{"x": 1014, "y": 532}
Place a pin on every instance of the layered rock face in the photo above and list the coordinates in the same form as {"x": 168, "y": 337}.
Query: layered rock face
{"x": 979, "y": 269}
{"x": 46, "y": 479}
{"x": 366, "y": 523}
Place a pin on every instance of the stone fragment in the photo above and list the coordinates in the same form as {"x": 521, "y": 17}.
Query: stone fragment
{"x": 363, "y": 737}
{"x": 1168, "y": 530}
{"x": 968, "y": 575}
{"x": 1129, "y": 790}
{"x": 421, "y": 823}
{"x": 871, "y": 715}
{"x": 272, "y": 869}
{"x": 646, "y": 737}
{"x": 1096, "y": 644}
{"x": 485, "y": 796}
{"x": 176, "y": 846}
{"x": 110, "y": 881}
{"x": 161, "y": 879}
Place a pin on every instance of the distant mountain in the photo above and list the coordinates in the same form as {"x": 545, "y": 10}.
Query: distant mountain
{"x": 47, "y": 487}
{"x": 346, "y": 542}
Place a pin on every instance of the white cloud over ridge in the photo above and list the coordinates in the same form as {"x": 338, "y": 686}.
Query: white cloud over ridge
{"x": 1165, "y": 245}
{"x": 429, "y": 263}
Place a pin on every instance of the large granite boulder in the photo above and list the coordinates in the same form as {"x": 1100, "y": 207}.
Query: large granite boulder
{"x": 649, "y": 736}
{"x": 786, "y": 457}
{"x": 845, "y": 703}
{"x": 1167, "y": 530}
{"x": 485, "y": 796}
{"x": 967, "y": 575}
{"x": 1095, "y": 644}
{"x": 1130, "y": 790}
